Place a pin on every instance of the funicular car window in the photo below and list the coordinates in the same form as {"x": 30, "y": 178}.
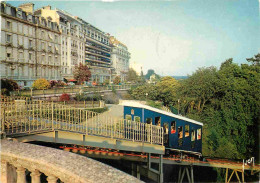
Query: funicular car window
{"x": 137, "y": 119}
{"x": 149, "y": 120}
{"x": 166, "y": 132}
{"x": 158, "y": 121}
{"x": 193, "y": 135}
{"x": 187, "y": 130}
{"x": 173, "y": 127}
{"x": 128, "y": 117}
{"x": 180, "y": 135}
{"x": 180, "y": 132}
{"x": 199, "y": 133}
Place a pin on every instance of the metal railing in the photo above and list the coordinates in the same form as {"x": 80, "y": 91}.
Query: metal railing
{"x": 24, "y": 116}
{"x": 73, "y": 90}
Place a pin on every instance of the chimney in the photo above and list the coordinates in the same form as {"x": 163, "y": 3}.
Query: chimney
{"x": 47, "y": 7}
{"x": 27, "y": 7}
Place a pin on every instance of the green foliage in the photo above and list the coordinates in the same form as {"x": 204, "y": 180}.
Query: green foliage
{"x": 117, "y": 80}
{"x": 114, "y": 90}
{"x": 8, "y": 85}
{"x": 167, "y": 90}
{"x": 99, "y": 110}
{"x": 150, "y": 72}
{"x": 227, "y": 101}
{"x": 106, "y": 82}
{"x": 41, "y": 84}
{"x": 256, "y": 60}
{"x": 154, "y": 104}
{"x": 81, "y": 73}
{"x": 132, "y": 76}
{"x": 144, "y": 92}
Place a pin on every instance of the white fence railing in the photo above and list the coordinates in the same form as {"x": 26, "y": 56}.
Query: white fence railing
{"x": 21, "y": 116}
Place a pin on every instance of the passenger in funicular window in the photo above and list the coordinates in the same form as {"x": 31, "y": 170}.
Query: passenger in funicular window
{"x": 158, "y": 121}
{"x": 166, "y": 131}
{"x": 173, "y": 128}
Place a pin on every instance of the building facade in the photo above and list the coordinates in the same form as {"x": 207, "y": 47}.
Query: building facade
{"x": 72, "y": 39}
{"x": 49, "y": 43}
{"x": 97, "y": 53}
{"x": 119, "y": 57}
{"x": 30, "y": 45}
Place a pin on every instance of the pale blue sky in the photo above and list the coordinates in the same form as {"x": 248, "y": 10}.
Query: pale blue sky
{"x": 175, "y": 37}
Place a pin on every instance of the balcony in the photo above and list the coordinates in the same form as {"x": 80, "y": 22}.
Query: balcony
{"x": 96, "y": 54}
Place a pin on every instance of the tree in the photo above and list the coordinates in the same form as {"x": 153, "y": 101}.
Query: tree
{"x": 41, "y": 84}
{"x": 145, "y": 92}
{"x": 227, "y": 102}
{"x": 8, "y": 85}
{"x": 117, "y": 80}
{"x": 132, "y": 76}
{"x": 167, "y": 90}
{"x": 81, "y": 73}
{"x": 150, "y": 72}
{"x": 256, "y": 60}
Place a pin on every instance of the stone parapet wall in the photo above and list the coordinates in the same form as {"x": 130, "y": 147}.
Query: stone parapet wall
{"x": 55, "y": 164}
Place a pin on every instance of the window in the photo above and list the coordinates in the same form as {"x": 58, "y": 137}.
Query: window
{"x": 166, "y": 133}
{"x": 173, "y": 127}
{"x": 8, "y": 38}
{"x": 180, "y": 132}
{"x": 43, "y": 34}
{"x": 199, "y": 134}
{"x": 30, "y": 56}
{"x": 166, "y": 127}
{"x": 43, "y": 59}
{"x": 50, "y": 60}
{"x": 43, "y": 45}
{"x": 30, "y": 43}
{"x": 158, "y": 121}
{"x": 149, "y": 120}
{"x": 137, "y": 119}
{"x": 187, "y": 130}
{"x": 128, "y": 117}
{"x": 193, "y": 135}
{"x": 8, "y": 55}
{"x": 8, "y": 25}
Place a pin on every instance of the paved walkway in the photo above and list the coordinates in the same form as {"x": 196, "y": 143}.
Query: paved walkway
{"x": 114, "y": 110}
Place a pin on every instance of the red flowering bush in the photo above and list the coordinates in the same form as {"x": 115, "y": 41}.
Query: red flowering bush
{"x": 65, "y": 97}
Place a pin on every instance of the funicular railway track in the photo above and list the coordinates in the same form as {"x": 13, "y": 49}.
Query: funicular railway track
{"x": 172, "y": 159}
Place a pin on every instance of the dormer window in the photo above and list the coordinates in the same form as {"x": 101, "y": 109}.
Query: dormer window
{"x": 19, "y": 14}
{"x": 29, "y": 18}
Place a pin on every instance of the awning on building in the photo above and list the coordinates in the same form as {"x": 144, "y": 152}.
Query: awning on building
{"x": 72, "y": 80}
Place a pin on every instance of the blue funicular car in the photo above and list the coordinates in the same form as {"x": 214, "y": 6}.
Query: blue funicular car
{"x": 181, "y": 135}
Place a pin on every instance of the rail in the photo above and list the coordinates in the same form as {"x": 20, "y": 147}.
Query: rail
{"x": 72, "y": 90}
{"x": 22, "y": 117}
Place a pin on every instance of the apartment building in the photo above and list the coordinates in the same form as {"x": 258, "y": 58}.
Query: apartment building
{"x": 30, "y": 45}
{"x": 72, "y": 38}
{"x": 97, "y": 53}
{"x": 119, "y": 57}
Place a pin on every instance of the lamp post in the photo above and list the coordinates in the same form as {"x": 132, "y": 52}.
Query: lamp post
{"x": 146, "y": 94}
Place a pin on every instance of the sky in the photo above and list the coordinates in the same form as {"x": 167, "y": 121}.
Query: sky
{"x": 174, "y": 37}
